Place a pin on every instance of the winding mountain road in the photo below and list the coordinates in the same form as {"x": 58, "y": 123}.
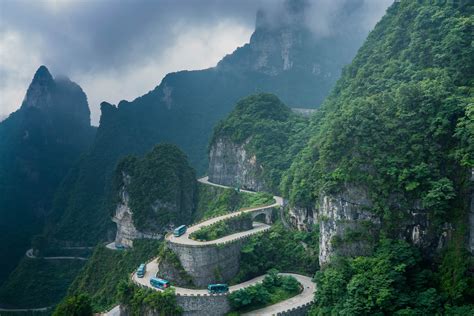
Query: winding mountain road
{"x": 306, "y": 296}
{"x": 308, "y": 287}
{"x": 29, "y": 253}
{"x": 257, "y": 227}
{"x": 25, "y": 310}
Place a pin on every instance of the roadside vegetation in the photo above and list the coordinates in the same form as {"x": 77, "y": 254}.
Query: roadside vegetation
{"x": 274, "y": 289}
{"x": 394, "y": 281}
{"x": 223, "y": 228}
{"x": 279, "y": 248}
{"x": 216, "y": 201}
{"x": 106, "y": 268}
{"x": 142, "y": 301}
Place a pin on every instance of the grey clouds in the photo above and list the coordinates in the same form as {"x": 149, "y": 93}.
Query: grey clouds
{"x": 122, "y": 49}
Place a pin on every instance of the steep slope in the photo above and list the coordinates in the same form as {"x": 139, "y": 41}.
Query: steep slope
{"x": 38, "y": 145}
{"x": 186, "y": 105}
{"x": 392, "y": 154}
{"x": 255, "y": 144}
{"x": 153, "y": 194}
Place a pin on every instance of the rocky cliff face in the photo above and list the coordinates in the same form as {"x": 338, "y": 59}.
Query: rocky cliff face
{"x": 39, "y": 143}
{"x": 302, "y": 218}
{"x": 155, "y": 193}
{"x": 230, "y": 164}
{"x": 58, "y": 98}
{"x": 186, "y": 105}
{"x": 126, "y": 230}
{"x": 346, "y": 227}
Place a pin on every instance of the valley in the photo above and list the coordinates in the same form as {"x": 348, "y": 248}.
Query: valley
{"x": 309, "y": 172}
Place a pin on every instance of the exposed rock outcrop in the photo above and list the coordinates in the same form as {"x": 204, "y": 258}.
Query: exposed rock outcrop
{"x": 126, "y": 230}
{"x": 346, "y": 227}
{"x": 155, "y": 193}
{"x": 171, "y": 272}
{"x": 230, "y": 164}
{"x": 39, "y": 143}
{"x": 302, "y": 218}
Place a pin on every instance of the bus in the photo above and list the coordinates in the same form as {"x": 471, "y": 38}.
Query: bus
{"x": 159, "y": 283}
{"x": 217, "y": 288}
{"x": 141, "y": 270}
{"x": 179, "y": 230}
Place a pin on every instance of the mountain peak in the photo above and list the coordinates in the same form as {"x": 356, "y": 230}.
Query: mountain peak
{"x": 42, "y": 75}
{"x": 38, "y": 94}
{"x": 292, "y": 13}
{"x": 55, "y": 96}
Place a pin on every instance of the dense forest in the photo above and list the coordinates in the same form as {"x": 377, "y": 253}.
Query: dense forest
{"x": 186, "y": 105}
{"x": 38, "y": 145}
{"x": 161, "y": 188}
{"x": 399, "y": 125}
{"x": 269, "y": 130}
{"x": 382, "y": 169}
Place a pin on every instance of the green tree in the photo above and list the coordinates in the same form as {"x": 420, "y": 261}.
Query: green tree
{"x": 78, "y": 305}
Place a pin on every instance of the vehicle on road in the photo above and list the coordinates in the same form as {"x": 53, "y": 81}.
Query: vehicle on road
{"x": 217, "y": 288}
{"x": 141, "y": 270}
{"x": 159, "y": 283}
{"x": 181, "y": 230}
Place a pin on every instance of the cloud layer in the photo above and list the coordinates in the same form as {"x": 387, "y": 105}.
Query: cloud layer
{"x": 122, "y": 49}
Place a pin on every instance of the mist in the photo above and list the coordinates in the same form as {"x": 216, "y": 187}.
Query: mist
{"x": 121, "y": 50}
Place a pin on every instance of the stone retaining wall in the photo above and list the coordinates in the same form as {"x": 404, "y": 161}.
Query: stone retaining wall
{"x": 210, "y": 264}
{"x": 203, "y": 305}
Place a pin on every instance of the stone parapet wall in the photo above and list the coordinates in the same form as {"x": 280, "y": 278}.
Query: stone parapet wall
{"x": 297, "y": 311}
{"x": 203, "y": 305}
{"x": 210, "y": 264}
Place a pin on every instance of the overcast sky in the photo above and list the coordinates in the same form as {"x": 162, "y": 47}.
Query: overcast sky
{"x": 121, "y": 49}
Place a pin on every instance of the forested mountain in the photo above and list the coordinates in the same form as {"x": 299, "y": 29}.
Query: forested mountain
{"x": 154, "y": 193}
{"x": 283, "y": 57}
{"x": 255, "y": 143}
{"x": 390, "y": 161}
{"x": 377, "y": 185}
{"x": 38, "y": 145}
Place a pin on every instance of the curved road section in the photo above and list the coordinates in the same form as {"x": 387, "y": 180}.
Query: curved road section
{"x": 257, "y": 227}
{"x": 304, "y": 298}
{"x": 29, "y": 253}
{"x": 308, "y": 287}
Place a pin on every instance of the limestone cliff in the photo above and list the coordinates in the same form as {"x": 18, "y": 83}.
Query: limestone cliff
{"x": 153, "y": 194}
{"x": 252, "y": 146}
{"x": 346, "y": 227}
{"x": 39, "y": 144}
{"x": 126, "y": 230}
{"x": 230, "y": 164}
{"x": 302, "y": 218}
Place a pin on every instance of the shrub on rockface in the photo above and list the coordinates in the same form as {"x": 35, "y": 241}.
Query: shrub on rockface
{"x": 273, "y": 132}
{"x": 161, "y": 187}
{"x": 79, "y": 305}
{"x": 279, "y": 248}
{"x": 398, "y": 121}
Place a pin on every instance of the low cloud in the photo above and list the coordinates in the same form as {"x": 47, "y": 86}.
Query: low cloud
{"x": 120, "y": 50}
